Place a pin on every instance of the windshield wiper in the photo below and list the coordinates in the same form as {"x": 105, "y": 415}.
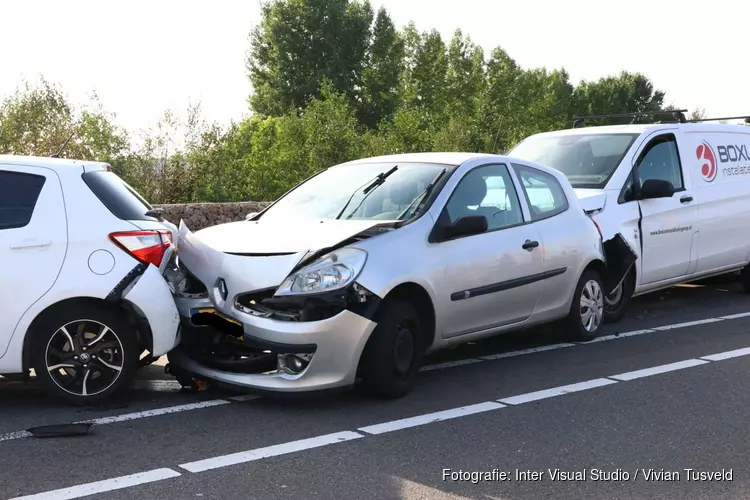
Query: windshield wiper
{"x": 366, "y": 189}
{"x": 419, "y": 200}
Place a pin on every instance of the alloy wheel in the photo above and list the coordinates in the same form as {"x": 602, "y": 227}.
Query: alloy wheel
{"x": 592, "y": 306}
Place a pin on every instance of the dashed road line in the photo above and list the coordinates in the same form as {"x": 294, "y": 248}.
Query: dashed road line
{"x": 270, "y": 451}
{"x": 557, "y": 391}
{"x": 405, "y": 423}
{"x": 116, "y": 483}
{"x": 385, "y": 427}
{"x": 656, "y": 370}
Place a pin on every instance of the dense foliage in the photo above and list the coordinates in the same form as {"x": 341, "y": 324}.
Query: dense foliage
{"x": 332, "y": 80}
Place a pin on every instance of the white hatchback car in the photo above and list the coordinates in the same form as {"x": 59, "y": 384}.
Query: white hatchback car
{"x": 81, "y": 288}
{"x": 358, "y": 271}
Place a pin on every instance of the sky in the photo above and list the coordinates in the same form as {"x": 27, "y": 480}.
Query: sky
{"x": 144, "y": 57}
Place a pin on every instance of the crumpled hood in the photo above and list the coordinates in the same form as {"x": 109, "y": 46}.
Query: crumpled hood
{"x": 268, "y": 252}
{"x": 591, "y": 200}
{"x": 251, "y": 237}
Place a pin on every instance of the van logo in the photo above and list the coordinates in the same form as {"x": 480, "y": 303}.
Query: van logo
{"x": 707, "y": 155}
{"x": 733, "y": 153}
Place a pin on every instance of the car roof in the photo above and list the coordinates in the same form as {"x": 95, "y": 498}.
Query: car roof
{"x": 447, "y": 158}
{"x": 648, "y": 127}
{"x": 58, "y": 164}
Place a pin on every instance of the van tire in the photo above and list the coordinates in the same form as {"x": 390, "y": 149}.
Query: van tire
{"x": 392, "y": 356}
{"x": 745, "y": 278}
{"x": 118, "y": 362}
{"x": 614, "y": 312}
{"x": 589, "y": 289}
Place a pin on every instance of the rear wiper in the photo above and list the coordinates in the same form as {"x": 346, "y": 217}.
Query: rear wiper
{"x": 368, "y": 187}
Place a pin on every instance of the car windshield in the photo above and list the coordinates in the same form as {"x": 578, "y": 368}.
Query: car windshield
{"x": 587, "y": 160}
{"x": 325, "y": 195}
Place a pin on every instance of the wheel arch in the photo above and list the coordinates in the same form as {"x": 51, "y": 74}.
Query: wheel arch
{"x": 418, "y": 297}
{"x": 129, "y": 310}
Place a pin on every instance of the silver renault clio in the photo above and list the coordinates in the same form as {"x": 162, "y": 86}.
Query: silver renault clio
{"x": 356, "y": 273}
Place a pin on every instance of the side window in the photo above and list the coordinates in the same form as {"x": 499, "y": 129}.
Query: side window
{"x": 487, "y": 190}
{"x": 660, "y": 160}
{"x": 18, "y": 195}
{"x": 544, "y": 193}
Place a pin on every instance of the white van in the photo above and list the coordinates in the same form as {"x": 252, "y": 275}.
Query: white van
{"x": 678, "y": 193}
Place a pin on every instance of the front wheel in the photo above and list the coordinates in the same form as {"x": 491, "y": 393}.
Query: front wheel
{"x": 391, "y": 360}
{"x": 587, "y": 311}
{"x": 85, "y": 354}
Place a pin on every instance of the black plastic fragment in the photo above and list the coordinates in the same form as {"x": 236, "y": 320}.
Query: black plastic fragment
{"x": 61, "y": 430}
{"x": 620, "y": 259}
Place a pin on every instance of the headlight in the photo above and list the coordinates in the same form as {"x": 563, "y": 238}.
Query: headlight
{"x": 333, "y": 271}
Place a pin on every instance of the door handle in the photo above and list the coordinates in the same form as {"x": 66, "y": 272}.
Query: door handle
{"x": 30, "y": 244}
{"x": 686, "y": 199}
{"x": 530, "y": 245}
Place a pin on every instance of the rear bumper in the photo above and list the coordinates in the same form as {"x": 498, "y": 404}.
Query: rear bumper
{"x": 152, "y": 299}
{"x": 335, "y": 345}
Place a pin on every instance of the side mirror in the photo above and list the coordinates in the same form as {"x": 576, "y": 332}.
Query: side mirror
{"x": 251, "y": 215}
{"x": 656, "y": 188}
{"x": 468, "y": 225}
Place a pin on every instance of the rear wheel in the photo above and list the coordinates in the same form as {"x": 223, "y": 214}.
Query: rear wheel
{"x": 616, "y": 303}
{"x": 587, "y": 311}
{"x": 85, "y": 354}
{"x": 391, "y": 360}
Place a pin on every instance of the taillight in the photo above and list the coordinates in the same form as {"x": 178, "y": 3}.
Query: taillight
{"x": 146, "y": 246}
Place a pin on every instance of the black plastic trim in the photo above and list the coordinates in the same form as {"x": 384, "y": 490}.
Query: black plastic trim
{"x": 115, "y": 295}
{"x": 506, "y": 285}
{"x": 279, "y": 347}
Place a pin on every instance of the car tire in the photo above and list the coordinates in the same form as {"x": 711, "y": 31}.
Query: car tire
{"x": 392, "y": 356}
{"x": 614, "y": 310}
{"x": 745, "y": 278}
{"x": 95, "y": 349}
{"x": 587, "y": 310}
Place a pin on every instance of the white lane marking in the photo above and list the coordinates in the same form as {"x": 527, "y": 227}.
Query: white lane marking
{"x": 15, "y": 435}
{"x": 736, "y": 316}
{"x": 428, "y": 418}
{"x": 157, "y": 385}
{"x": 719, "y": 356}
{"x": 656, "y": 370}
{"x": 511, "y": 354}
{"x": 688, "y": 324}
{"x": 245, "y": 397}
{"x": 557, "y": 391}
{"x": 620, "y": 335}
{"x": 116, "y": 483}
{"x": 155, "y": 413}
{"x": 449, "y": 364}
{"x": 270, "y": 451}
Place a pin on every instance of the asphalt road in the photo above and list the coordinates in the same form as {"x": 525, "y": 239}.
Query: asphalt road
{"x": 663, "y": 391}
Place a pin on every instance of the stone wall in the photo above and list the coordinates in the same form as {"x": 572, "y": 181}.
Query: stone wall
{"x": 201, "y": 215}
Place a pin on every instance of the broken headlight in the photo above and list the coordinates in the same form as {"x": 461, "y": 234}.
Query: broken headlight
{"x": 333, "y": 271}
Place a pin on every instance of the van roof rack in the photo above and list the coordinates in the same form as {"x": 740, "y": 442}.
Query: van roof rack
{"x": 677, "y": 114}
{"x": 746, "y": 118}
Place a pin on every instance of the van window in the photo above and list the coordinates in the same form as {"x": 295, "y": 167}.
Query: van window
{"x": 544, "y": 194}
{"x": 587, "y": 160}
{"x": 660, "y": 160}
{"x": 19, "y": 193}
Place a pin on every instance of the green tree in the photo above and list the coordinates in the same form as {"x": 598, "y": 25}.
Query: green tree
{"x": 298, "y": 43}
{"x": 625, "y": 93}
{"x": 385, "y": 63}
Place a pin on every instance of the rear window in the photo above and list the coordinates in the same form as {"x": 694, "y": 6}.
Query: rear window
{"x": 121, "y": 199}
{"x": 18, "y": 196}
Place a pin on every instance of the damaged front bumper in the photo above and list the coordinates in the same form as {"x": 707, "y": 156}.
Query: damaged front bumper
{"x": 255, "y": 341}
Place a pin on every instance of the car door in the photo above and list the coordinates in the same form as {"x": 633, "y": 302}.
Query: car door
{"x": 486, "y": 280}
{"x": 33, "y": 241}
{"x": 668, "y": 225}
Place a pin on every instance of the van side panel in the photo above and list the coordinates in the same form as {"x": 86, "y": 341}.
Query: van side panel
{"x": 718, "y": 163}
